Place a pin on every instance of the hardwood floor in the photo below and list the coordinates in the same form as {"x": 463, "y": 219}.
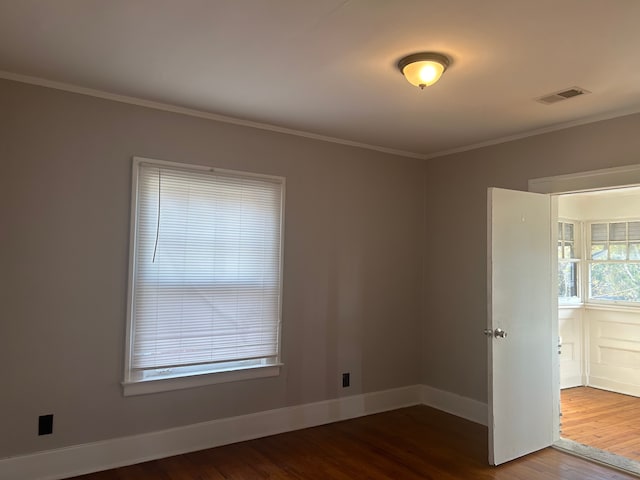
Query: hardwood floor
{"x": 408, "y": 444}
{"x": 605, "y": 420}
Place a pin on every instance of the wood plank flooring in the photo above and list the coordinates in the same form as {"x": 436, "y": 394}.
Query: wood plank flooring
{"x": 407, "y": 444}
{"x": 605, "y": 420}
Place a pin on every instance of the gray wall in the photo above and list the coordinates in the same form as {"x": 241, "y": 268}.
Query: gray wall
{"x": 352, "y": 271}
{"x": 357, "y": 239}
{"x": 454, "y": 350}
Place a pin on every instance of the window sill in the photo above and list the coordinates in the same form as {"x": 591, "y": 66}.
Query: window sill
{"x": 620, "y": 307}
{"x": 612, "y": 307}
{"x": 144, "y": 387}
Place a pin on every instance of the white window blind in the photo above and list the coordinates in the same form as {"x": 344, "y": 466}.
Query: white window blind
{"x": 615, "y": 241}
{"x": 206, "y": 271}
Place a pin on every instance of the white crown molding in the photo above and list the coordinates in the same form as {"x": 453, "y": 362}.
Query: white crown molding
{"x": 92, "y": 457}
{"x": 300, "y": 133}
{"x": 67, "y": 87}
{"x": 533, "y": 133}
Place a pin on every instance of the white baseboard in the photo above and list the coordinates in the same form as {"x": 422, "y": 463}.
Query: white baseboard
{"x": 455, "y": 404}
{"x": 572, "y": 381}
{"x": 614, "y": 386}
{"x": 92, "y": 457}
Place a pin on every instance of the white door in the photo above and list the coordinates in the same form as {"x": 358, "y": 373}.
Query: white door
{"x": 521, "y": 332}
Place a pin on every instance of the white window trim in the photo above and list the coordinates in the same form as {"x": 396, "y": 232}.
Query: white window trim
{"x": 178, "y": 383}
{"x": 596, "y": 304}
{"x": 603, "y": 179}
{"x": 583, "y": 249}
{"x": 578, "y": 246}
{"x": 181, "y": 381}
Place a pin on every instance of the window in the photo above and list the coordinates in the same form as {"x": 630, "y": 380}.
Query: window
{"x": 568, "y": 262}
{"x": 205, "y": 276}
{"x": 614, "y": 264}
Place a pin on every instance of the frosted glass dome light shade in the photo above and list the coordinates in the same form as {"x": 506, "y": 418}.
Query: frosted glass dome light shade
{"x": 423, "y": 69}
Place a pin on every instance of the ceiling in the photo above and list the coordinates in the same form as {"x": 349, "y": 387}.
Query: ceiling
{"x": 328, "y": 67}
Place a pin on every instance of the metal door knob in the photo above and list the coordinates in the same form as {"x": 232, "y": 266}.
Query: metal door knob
{"x": 498, "y": 333}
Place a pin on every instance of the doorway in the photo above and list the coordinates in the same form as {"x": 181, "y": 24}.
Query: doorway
{"x": 599, "y": 324}
{"x": 522, "y": 300}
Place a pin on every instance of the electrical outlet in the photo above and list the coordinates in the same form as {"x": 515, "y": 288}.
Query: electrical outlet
{"x": 45, "y": 424}
{"x": 345, "y": 379}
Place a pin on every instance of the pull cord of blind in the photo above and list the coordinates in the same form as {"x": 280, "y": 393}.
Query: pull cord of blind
{"x": 155, "y": 247}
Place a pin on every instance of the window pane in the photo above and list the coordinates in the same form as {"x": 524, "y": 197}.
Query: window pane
{"x": 614, "y": 281}
{"x": 634, "y": 251}
{"x": 568, "y": 251}
{"x": 599, "y": 251}
{"x": 618, "y": 232}
{"x": 617, "y": 251}
{"x": 634, "y": 231}
{"x": 598, "y": 232}
{"x": 559, "y": 249}
{"x": 567, "y": 280}
{"x": 207, "y": 269}
{"x": 568, "y": 232}
{"x": 560, "y": 231}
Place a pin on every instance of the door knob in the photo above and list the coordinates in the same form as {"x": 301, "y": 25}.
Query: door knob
{"x": 498, "y": 333}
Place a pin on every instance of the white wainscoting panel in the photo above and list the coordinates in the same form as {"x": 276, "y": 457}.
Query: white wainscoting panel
{"x": 572, "y": 355}
{"x": 614, "y": 350}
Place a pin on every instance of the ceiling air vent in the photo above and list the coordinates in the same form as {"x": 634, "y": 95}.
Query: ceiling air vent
{"x": 562, "y": 95}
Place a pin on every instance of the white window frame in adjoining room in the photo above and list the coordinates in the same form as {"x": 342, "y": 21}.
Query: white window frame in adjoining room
{"x": 590, "y": 262}
{"x": 588, "y": 181}
{"x": 252, "y": 339}
{"x": 575, "y": 260}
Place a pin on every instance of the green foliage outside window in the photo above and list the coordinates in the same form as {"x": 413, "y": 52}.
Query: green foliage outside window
{"x": 615, "y": 282}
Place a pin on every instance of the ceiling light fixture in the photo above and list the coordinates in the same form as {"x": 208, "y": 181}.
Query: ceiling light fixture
{"x": 423, "y": 69}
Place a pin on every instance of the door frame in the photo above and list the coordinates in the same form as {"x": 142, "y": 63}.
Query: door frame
{"x": 602, "y": 179}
